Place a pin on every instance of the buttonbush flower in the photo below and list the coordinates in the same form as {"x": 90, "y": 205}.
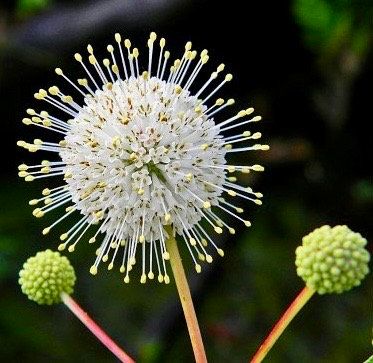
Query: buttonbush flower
{"x": 48, "y": 278}
{"x": 143, "y": 149}
{"x": 45, "y": 276}
{"x": 332, "y": 260}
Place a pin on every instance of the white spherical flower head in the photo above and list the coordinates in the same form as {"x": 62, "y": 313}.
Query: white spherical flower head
{"x": 143, "y": 152}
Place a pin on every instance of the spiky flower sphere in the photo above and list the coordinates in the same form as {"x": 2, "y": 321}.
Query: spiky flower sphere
{"x": 45, "y": 276}
{"x": 144, "y": 151}
{"x": 332, "y": 260}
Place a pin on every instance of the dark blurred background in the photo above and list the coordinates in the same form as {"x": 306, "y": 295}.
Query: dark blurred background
{"x": 305, "y": 65}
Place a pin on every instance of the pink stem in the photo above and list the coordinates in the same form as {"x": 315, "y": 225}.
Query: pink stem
{"x": 95, "y": 329}
{"x": 282, "y": 324}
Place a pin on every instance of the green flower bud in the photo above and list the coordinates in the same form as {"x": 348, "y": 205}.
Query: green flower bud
{"x": 332, "y": 260}
{"x": 45, "y": 276}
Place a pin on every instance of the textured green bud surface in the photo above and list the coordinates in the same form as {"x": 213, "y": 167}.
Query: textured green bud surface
{"x": 45, "y": 276}
{"x": 332, "y": 260}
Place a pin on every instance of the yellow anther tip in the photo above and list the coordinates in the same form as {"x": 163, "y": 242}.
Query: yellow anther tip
{"x": 46, "y": 231}
{"x": 166, "y": 255}
{"x": 93, "y": 270}
{"x": 208, "y": 258}
{"x": 201, "y": 256}
{"x": 53, "y": 90}
{"x": 63, "y": 236}
{"x": 59, "y": 71}
{"x": 92, "y": 59}
{"x": 247, "y": 223}
{"x": 61, "y": 246}
{"x": 46, "y": 192}
{"x": 143, "y": 279}
{"x": 198, "y": 268}
{"x": 257, "y": 167}
{"x": 78, "y": 57}
{"x": 221, "y": 252}
{"x": 167, "y": 217}
{"x": 218, "y": 230}
{"x": 205, "y": 59}
{"x": 206, "y": 205}
{"x": 142, "y": 238}
{"x": 221, "y": 67}
{"x": 228, "y": 77}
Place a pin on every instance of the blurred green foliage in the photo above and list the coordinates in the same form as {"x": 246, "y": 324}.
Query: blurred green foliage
{"x": 30, "y": 7}
{"x": 329, "y": 25}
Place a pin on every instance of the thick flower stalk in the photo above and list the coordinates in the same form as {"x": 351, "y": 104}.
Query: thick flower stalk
{"x": 142, "y": 150}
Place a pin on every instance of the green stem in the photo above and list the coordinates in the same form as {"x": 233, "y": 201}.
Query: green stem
{"x": 185, "y": 298}
{"x": 282, "y": 324}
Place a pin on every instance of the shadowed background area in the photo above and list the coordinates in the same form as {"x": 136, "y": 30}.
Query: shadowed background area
{"x": 305, "y": 65}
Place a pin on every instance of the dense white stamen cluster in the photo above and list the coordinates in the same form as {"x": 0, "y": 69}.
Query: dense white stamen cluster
{"x": 143, "y": 152}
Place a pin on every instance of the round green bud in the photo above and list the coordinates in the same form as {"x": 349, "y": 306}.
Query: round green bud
{"x": 332, "y": 260}
{"x": 45, "y": 276}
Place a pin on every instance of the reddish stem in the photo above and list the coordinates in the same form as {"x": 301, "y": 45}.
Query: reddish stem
{"x": 281, "y": 325}
{"x": 95, "y": 329}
